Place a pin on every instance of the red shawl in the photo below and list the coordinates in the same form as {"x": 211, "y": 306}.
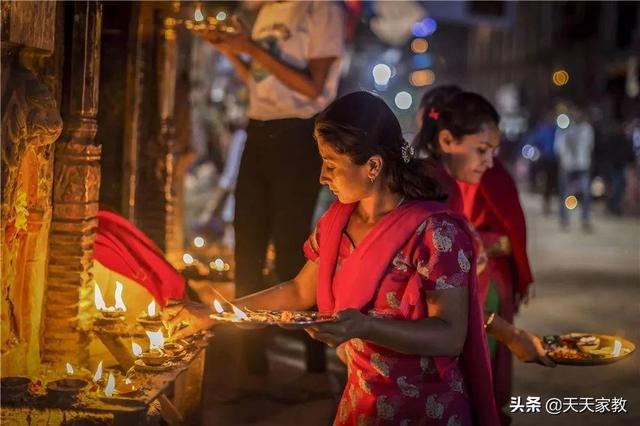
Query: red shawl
{"x": 493, "y": 205}
{"x": 374, "y": 254}
{"x": 123, "y": 248}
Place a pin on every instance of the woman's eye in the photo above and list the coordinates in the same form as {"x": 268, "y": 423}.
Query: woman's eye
{"x": 482, "y": 151}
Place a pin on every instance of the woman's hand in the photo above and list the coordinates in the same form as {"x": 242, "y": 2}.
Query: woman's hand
{"x": 349, "y": 324}
{"x": 528, "y": 348}
{"x": 238, "y": 41}
{"x": 187, "y": 318}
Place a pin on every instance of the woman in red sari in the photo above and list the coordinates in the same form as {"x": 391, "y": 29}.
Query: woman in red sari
{"x": 459, "y": 132}
{"x": 397, "y": 269}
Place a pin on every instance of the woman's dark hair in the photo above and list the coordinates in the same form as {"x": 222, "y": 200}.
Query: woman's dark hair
{"x": 361, "y": 125}
{"x": 450, "y": 108}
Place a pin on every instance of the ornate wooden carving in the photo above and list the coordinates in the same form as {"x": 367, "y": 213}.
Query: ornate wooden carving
{"x": 31, "y": 122}
{"x": 75, "y": 195}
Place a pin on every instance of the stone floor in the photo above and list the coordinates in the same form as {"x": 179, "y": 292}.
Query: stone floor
{"x": 584, "y": 282}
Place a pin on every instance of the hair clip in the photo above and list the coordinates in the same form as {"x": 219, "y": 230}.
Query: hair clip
{"x": 407, "y": 151}
{"x": 434, "y": 114}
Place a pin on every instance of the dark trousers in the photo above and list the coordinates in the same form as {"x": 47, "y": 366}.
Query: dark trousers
{"x": 275, "y": 197}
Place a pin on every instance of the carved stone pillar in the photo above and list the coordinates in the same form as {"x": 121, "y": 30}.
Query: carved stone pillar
{"x": 75, "y": 194}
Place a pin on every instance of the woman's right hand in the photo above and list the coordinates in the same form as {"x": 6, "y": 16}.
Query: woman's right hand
{"x": 527, "y": 347}
{"x": 192, "y": 314}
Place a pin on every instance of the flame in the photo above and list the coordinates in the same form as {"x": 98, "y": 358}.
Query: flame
{"x": 136, "y": 348}
{"x": 217, "y": 306}
{"x": 69, "y": 369}
{"x": 617, "y": 347}
{"x": 198, "y": 16}
{"x": 119, "y": 302}
{"x": 98, "y": 374}
{"x": 111, "y": 385}
{"x": 127, "y": 381}
{"x": 97, "y": 298}
{"x": 151, "y": 309}
{"x": 239, "y": 314}
{"x": 156, "y": 339}
{"x": 218, "y": 265}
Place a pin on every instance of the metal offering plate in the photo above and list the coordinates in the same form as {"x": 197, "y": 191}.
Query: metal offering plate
{"x": 587, "y": 349}
{"x": 285, "y": 319}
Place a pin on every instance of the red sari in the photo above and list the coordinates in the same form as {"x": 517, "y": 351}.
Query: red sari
{"x": 493, "y": 208}
{"x": 123, "y": 248}
{"x": 418, "y": 247}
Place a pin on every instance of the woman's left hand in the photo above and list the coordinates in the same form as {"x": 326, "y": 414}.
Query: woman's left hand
{"x": 349, "y": 324}
{"x": 527, "y": 347}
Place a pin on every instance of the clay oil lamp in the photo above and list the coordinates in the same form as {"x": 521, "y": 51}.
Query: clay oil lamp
{"x": 112, "y": 314}
{"x": 13, "y": 389}
{"x": 151, "y": 319}
{"x": 155, "y": 356}
{"x": 67, "y": 389}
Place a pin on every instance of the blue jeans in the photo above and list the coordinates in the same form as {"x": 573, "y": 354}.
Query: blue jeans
{"x": 569, "y": 180}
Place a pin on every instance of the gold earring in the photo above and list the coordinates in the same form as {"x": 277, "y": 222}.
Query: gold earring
{"x": 372, "y": 178}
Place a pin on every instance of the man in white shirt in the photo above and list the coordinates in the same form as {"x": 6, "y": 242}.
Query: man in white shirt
{"x": 294, "y": 51}
{"x": 574, "y": 147}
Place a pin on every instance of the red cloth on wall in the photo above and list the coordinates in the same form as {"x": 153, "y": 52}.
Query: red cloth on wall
{"x": 123, "y": 248}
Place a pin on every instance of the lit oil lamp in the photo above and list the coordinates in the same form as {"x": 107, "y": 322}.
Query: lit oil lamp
{"x": 68, "y": 388}
{"x": 236, "y": 316}
{"x": 111, "y": 313}
{"x": 150, "y": 320}
{"x": 155, "y": 356}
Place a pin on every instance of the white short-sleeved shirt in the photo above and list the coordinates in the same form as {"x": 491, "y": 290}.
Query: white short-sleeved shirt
{"x": 294, "y": 32}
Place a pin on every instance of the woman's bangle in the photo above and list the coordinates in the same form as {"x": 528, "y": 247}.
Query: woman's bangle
{"x": 489, "y": 320}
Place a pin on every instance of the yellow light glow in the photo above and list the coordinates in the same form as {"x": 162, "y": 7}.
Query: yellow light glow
{"x": 98, "y": 300}
{"x": 98, "y": 374}
{"x": 217, "y": 306}
{"x": 119, "y": 302}
{"x": 136, "y": 349}
{"x": 111, "y": 385}
{"x": 239, "y": 314}
{"x": 199, "y": 242}
{"x": 187, "y": 258}
{"x": 571, "y": 202}
{"x": 156, "y": 339}
{"x": 422, "y": 78}
{"x": 198, "y": 15}
{"x": 617, "y": 347}
{"x": 151, "y": 309}
{"x": 560, "y": 77}
{"x": 69, "y": 369}
{"x": 419, "y": 45}
{"x": 218, "y": 265}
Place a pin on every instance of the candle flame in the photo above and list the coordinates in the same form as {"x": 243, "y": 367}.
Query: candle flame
{"x": 617, "y": 347}
{"x": 156, "y": 339}
{"x": 136, "y": 348}
{"x": 239, "y": 314}
{"x": 217, "y": 306}
{"x": 198, "y": 15}
{"x": 127, "y": 381}
{"x": 98, "y": 374}
{"x": 151, "y": 309}
{"x": 111, "y": 385}
{"x": 69, "y": 369}
{"x": 119, "y": 301}
{"x": 97, "y": 298}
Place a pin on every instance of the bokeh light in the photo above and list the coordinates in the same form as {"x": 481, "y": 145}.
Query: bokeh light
{"x": 403, "y": 100}
{"x": 571, "y": 202}
{"x": 198, "y": 242}
{"x": 419, "y": 45}
{"x": 187, "y": 258}
{"x": 381, "y": 74}
{"x": 423, "y": 60}
{"x": 598, "y": 187}
{"x": 530, "y": 152}
{"x": 221, "y": 16}
{"x": 422, "y": 78}
{"x": 563, "y": 121}
{"x": 424, "y": 28}
{"x": 560, "y": 77}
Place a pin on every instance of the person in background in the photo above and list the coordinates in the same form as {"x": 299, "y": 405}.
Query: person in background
{"x": 542, "y": 138}
{"x": 459, "y": 133}
{"x": 397, "y": 269}
{"x": 574, "y": 147}
{"x": 292, "y": 73}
